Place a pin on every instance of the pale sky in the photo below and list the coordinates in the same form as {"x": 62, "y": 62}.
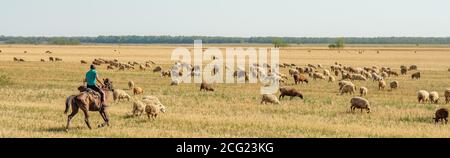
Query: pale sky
{"x": 244, "y": 18}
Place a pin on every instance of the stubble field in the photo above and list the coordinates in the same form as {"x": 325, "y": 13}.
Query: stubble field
{"x": 32, "y": 100}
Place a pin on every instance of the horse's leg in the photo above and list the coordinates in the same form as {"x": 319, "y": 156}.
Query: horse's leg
{"x": 86, "y": 117}
{"x": 69, "y": 118}
{"x": 104, "y": 116}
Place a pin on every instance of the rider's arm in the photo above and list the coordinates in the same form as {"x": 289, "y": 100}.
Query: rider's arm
{"x": 98, "y": 80}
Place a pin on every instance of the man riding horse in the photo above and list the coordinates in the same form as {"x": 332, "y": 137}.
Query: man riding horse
{"x": 91, "y": 79}
{"x": 87, "y": 100}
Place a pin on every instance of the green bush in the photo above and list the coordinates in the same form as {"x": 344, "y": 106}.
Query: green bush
{"x": 4, "y": 80}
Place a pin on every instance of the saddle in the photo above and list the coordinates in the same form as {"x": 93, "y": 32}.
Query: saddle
{"x": 95, "y": 98}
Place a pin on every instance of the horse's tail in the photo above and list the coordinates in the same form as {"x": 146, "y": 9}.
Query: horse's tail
{"x": 68, "y": 103}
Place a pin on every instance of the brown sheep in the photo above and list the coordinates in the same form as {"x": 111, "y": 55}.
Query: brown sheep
{"x": 51, "y": 59}
{"x": 15, "y": 59}
{"x": 130, "y": 84}
{"x": 22, "y": 60}
{"x": 42, "y": 60}
{"x": 207, "y": 87}
{"x": 83, "y": 62}
{"x": 290, "y": 91}
{"x": 58, "y": 59}
{"x": 415, "y": 75}
{"x": 403, "y": 71}
{"x": 157, "y": 69}
{"x": 109, "y": 67}
{"x": 300, "y": 78}
{"x": 138, "y": 90}
{"x": 393, "y": 84}
{"x": 412, "y": 67}
{"x": 441, "y": 115}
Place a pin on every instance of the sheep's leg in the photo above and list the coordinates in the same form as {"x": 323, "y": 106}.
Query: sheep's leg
{"x": 445, "y": 120}
{"x": 86, "y": 118}
{"x": 69, "y": 118}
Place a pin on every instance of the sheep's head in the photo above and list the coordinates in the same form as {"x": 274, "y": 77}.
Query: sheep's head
{"x": 162, "y": 108}
{"x": 300, "y": 95}
{"x": 368, "y": 110}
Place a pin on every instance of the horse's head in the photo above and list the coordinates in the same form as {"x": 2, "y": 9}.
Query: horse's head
{"x": 107, "y": 84}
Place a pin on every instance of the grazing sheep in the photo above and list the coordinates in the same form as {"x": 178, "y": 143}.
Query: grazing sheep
{"x": 119, "y": 94}
{"x": 336, "y": 73}
{"x": 447, "y": 95}
{"x": 269, "y": 98}
{"x": 58, "y": 59}
{"x": 434, "y": 97}
{"x": 83, "y": 62}
{"x": 207, "y": 87}
{"x": 22, "y": 60}
{"x": 403, "y": 71}
{"x": 381, "y": 85}
{"x": 348, "y": 88}
{"x": 358, "y": 77}
{"x": 342, "y": 83}
{"x": 138, "y": 108}
{"x": 165, "y": 73}
{"x": 290, "y": 91}
{"x": 42, "y": 60}
{"x": 130, "y": 84}
{"x": 331, "y": 79}
{"x": 363, "y": 91}
{"x": 15, "y": 59}
{"x": 412, "y": 67}
{"x": 359, "y": 103}
{"x": 326, "y": 72}
{"x": 393, "y": 84}
{"x": 376, "y": 77}
{"x": 300, "y": 78}
{"x": 441, "y": 115}
{"x": 51, "y": 59}
{"x": 138, "y": 90}
{"x": 175, "y": 83}
{"x": 293, "y": 72}
{"x": 392, "y": 73}
{"x": 109, "y": 67}
{"x": 423, "y": 96}
{"x": 318, "y": 76}
{"x": 153, "y": 106}
{"x": 157, "y": 69}
{"x": 415, "y": 75}
{"x": 384, "y": 74}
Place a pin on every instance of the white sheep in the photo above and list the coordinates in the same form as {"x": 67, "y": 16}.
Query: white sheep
{"x": 138, "y": 108}
{"x": 153, "y": 106}
{"x": 269, "y": 98}
{"x": 363, "y": 91}
{"x": 434, "y": 97}
{"x": 119, "y": 94}
{"x": 359, "y": 103}
{"x": 348, "y": 89}
{"x": 423, "y": 96}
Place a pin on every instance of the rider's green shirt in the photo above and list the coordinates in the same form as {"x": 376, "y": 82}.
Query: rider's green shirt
{"x": 91, "y": 77}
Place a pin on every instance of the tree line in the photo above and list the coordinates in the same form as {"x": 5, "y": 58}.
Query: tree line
{"x": 281, "y": 41}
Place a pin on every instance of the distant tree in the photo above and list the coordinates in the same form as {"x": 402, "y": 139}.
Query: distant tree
{"x": 278, "y": 42}
{"x": 332, "y": 46}
{"x": 340, "y": 43}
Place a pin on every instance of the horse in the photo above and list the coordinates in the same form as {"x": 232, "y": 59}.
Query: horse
{"x": 88, "y": 100}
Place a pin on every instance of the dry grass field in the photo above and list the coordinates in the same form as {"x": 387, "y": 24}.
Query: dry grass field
{"x": 32, "y": 100}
